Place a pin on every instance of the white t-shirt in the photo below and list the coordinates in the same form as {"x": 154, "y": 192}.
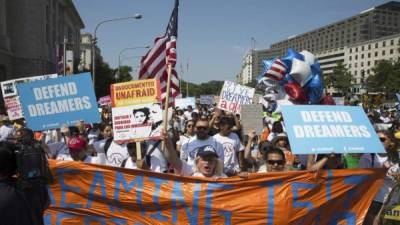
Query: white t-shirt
{"x": 157, "y": 160}
{"x": 93, "y": 135}
{"x": 130, "y": 164}
{"x": 232, "y": 146}
{"x": 182, "y": 140}
{"x": 188, "y": 170}
{"x": 115, "y": 154}
{"x": 190, "y": 148}
{"x": 188, "y": 115}
{"x": 59, "y": 151}
{"x": 388, "y": 183}
{"x": 6, "y": 132}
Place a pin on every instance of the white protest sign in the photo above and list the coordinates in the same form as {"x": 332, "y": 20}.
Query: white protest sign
{"x": 137, "y": 122}
{"x": 185, "y": 102}
{"x": 234, "y": 95}
{"x": 10, "y": 94}
{"x": 252, "y": 118}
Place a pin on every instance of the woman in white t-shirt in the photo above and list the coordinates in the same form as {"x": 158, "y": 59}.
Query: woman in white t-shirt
{"x": 389, "y": 161}
{"x": 184, "y": 138}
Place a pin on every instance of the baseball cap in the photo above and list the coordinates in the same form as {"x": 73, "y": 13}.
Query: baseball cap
{"x": 76, "y": 144}
{"x": 206, "y": 150}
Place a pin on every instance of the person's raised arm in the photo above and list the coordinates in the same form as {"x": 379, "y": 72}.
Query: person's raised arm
{"x": 169, "y": 152}
{"x": 247, "y": 149}
{"x": 217, "y": 113}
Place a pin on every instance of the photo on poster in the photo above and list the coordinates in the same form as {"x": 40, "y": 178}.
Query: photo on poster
{"x": 137, "y": 122}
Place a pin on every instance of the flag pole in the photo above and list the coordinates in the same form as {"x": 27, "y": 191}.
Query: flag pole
{"x": 167, "y": 97}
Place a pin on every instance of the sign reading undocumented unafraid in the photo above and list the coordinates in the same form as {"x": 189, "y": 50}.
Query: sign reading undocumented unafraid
{"x": 135, "y": 92}
{"x": 48, "y": 104}
{"x": 328, "y": 129}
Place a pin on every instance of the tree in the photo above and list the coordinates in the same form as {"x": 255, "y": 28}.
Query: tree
{"x": 125, "y": 74}
{"x": 210, "y": 88}
{"x": 104, "y": 78}
{"x": 386, "y": 78}
{"x": 340, "y": 79}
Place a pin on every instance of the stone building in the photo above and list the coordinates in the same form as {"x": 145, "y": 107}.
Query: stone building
{"x": 31, "y": 31}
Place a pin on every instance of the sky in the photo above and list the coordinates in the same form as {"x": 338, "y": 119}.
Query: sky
{"x": 213, "y": 35}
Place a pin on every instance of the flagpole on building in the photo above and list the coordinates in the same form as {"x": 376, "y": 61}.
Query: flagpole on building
{"x": 167, "y": 97}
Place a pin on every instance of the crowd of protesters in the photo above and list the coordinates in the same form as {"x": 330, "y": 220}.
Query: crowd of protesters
{"x": 207, "y": 142}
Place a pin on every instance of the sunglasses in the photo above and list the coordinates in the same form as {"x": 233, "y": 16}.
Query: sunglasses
{"x": 273, "y": 162}
{"x": 201, "y": 128}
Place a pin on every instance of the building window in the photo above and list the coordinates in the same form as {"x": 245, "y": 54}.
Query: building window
{"x": 356, "y": 49}
{"x": 355, "y": 72}
{"x": 376, "y": 54}
{"x": 367, "y": 72}
{"x": 391, "y": 51}
{"x": 362, "y": 56}
{"x": 349, "y": 58}
{"x": 362, "y": 48}
{"x": 362, "y": 64}
{"x": 368, "y": 63}
{"x": 391, "y": 42}
{"x": 356, "y": 57}
{"x": 383, "y": 52}
{"x": 383, "y": 43}
{"x": 355, "y": 65}
{"x": 351, "y": 50}
{"x": 369, "y": 55}
{"x": 369, "y": 47}
{"x": 375, "y": 62}
{"x": 376, "y": 45}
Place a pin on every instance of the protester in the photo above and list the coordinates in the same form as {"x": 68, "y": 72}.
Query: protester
{"x": 389, "y": 161}
{"x": 6, "y": 128}
{"x": 77, "y": 149}
{"x": 188, "y": 113}
{"x": 199, "y": 141}
{"x": 274, "y": 161}
{"x": 205, "y": 163}
{"x": 184, "y": 138}
{"x": 233, "y": 148}
{"x": 132, "y": 161}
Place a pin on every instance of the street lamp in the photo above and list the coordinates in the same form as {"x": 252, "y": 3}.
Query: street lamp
{"x": 120, "y": 53}
{"x": 94, "y": 40}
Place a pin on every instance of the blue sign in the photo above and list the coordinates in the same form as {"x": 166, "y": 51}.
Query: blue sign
{"x": 330, "y": 129}
{"x": 48, "y": 104}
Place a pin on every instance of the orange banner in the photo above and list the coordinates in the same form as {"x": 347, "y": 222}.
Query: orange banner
{"x": 95, "y": 194}
{"x": 135, "y": 92}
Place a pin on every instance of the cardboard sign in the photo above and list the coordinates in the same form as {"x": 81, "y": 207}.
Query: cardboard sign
{"x": 183, "y": 103}
{"x": 135, "y": 92}
{"x": 206, "y": 99}
{"x": 14, "y": 108}
{"x": 330, "y": 129}
{"x": 105, "y": 100}
{"x": 95, "y": 194}
{"x": 234, "y": 95}
{"x": 339, "y": 100}
{"x": 137, "y": 122}
{"x": 10, "y": 94}
{"x": 48, "y": 104}
{"x": 252, "y": 118}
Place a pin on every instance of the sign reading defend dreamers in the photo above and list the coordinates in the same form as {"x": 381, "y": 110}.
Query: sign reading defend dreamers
{"x": 49, "y": 104}
{"x": 330, "y": 129}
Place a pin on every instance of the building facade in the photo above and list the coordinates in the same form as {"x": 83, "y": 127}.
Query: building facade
{"x": 31, "y": 32}
{"x": 380, "y": 21}
{"x": 86, "y": 52}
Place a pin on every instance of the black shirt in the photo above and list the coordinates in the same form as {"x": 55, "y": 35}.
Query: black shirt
{"x": 22, "y": 207}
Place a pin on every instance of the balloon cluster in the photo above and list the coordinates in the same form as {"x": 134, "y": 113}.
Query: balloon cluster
{"x": 297, "y": 76}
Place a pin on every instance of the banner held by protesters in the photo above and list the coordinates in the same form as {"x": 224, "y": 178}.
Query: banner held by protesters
{"x": 93, "y": 193}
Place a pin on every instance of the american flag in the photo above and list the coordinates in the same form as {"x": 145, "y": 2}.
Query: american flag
{"x": 277, "y": 70}
{"x": 155, "y": 63}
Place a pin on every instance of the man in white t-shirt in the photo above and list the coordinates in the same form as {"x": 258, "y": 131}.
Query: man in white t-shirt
{"x": 206, "y": 163}
{"x": 188, "y": 113}
{"x": 77, "y": 150}
{"x": 6, "y": 129}
{"x": 132, "y": 161}
{"x": 232, "y": 146}
{"x": 200, "y": 140}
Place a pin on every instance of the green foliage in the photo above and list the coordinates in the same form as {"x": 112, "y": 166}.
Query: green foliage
{"x": 124, "y": 74}
{"x": 386, "y": 77}
{"x": 195, "y": 90}
{"x": 104, "y": 78}
{"x": 340, "y": 79}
